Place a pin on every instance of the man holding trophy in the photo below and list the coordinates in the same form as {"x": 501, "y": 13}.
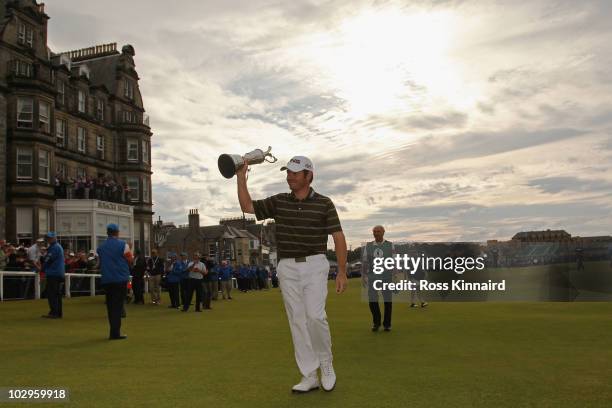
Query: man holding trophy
{"x": 304, "y": 219}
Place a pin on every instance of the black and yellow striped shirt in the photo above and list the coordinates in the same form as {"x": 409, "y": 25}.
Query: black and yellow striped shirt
{"x": 302, "y": 226}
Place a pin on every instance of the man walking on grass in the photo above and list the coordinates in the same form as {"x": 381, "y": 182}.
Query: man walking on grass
{"x": 304, "y": 219}
{"x": 115, "y": 259}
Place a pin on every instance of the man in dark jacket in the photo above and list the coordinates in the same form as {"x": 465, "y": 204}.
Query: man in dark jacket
{"x": 155, "y": 266}
{"x": 53, "y": 266}
{"x": 138, "y": 272}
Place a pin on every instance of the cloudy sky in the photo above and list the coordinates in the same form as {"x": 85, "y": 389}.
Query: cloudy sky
{"x": 442, "y": 120}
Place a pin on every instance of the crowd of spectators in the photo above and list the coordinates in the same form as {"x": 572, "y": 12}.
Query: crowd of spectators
{"x": 28, "y": 258}
{"x": 101, "y": 188}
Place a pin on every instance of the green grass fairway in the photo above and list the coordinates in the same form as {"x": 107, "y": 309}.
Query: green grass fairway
{"x": 240, "y": 354}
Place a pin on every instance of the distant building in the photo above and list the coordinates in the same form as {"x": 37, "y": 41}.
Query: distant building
{"x": 221, "y": 242}
{"x": 546, "y": 247}
{"x": 72, "y": 126}
{"x": 543, "y": 236}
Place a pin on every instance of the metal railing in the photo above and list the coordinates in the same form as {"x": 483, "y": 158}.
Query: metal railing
{"x": 92, "y": 281}
{"x": 68, "y": 279}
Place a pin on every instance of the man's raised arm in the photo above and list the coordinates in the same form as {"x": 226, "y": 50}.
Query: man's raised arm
{"x": 246, "y": 204}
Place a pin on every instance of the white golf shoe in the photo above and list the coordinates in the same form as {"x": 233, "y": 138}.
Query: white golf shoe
{"x": 328, "y": 376}
{"x": 307, "y": 384}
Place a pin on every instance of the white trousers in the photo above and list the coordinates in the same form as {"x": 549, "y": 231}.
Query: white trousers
{"x": 304, "y": 289}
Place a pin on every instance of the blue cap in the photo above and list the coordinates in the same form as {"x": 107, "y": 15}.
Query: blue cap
{"x": 112, "y": 228}
{"x": 171, "y": 254}
{"x": 50, "y": 234}
{"x": 184, "y": 254}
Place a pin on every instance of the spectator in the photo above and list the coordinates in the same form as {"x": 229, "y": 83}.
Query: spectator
{"x": 92, "y": 262}
{"x": 174, "y": 274}
{"x": 155, "y": 268}
{"x": 2, "y": 255}
{"x": 115, "y": 259}
{"x": 80, "y": 262}
{"x": 34, "y": 252}
{"x": 213, "y": 277}
{"x": 53, "y": 266}
{"x": 226, "y": 273}
{"x": 183, "y": 284}
{"x": 138, "y": 272}
{"x": 196, "y": 270}
{"x": 243, "y": 276}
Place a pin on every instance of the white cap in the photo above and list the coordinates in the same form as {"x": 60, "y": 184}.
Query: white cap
{"x": 299, "y": 163}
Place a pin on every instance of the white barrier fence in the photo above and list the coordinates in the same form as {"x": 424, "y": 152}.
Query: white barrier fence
{"x": 92, "y": 282}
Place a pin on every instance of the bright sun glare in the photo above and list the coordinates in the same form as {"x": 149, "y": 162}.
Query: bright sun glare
{"x": 383, "y": 62}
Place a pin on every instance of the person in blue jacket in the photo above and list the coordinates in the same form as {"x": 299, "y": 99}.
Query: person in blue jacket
{"x": 243, "y": 276}
{"x": 53, "y": 266}
{"x": 252, "y": 277}
{"x": 174, "y": 274}
{"x": 226, "y": 273}
{"x": 115, "y": 258}
{"x": 184, "y": 283}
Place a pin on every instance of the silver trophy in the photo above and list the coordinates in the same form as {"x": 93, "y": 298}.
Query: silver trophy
{"x": 229, "y": 163}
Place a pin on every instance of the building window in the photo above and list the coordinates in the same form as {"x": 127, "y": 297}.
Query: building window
{"x": 43, "y": 166}
{"x": 23, "y": 69}
{"x": 129, "y": 117}
{"x": 81, "y": 101}
{"x": 44, "y": 113}
{"x": 145, "y": 190}
{"x": 100, "y": 109}
{"x": 60, "y": 169}
{"x": 60, "y": 132}
{"x": 145, "y": 151}
{"x": 25, "y": 111}
{"x": 24, "y": 163}
{"x": 133, "y": 186}
{"x": 25, "y": 35}
{"x": 128, "y": 89}
{"x": 132, "y": 150}
{"x": 61, "y": 92}
{"x": 81, "y": 173}
{"x": 100, "y": 146}
{"x": 81, "y": 140}
{"x": 21, "y": 34}
{"x": 43, "y": 221}
{"x": 24, "y": 225}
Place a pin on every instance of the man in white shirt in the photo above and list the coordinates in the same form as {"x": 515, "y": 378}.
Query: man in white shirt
{"x": 34, "y": 253}
{"x": 197, "y": 271}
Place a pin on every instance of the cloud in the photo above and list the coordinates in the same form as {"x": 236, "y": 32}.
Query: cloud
{"x": 434, "y": 150}
{"x": 555, "y": 185}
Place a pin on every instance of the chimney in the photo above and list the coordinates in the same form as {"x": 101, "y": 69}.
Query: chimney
{"x": 194, "y": 220}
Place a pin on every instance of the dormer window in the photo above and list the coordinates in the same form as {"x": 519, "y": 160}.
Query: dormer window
{"x": 25, "y": 35}
{"x": 128, "y": 89}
